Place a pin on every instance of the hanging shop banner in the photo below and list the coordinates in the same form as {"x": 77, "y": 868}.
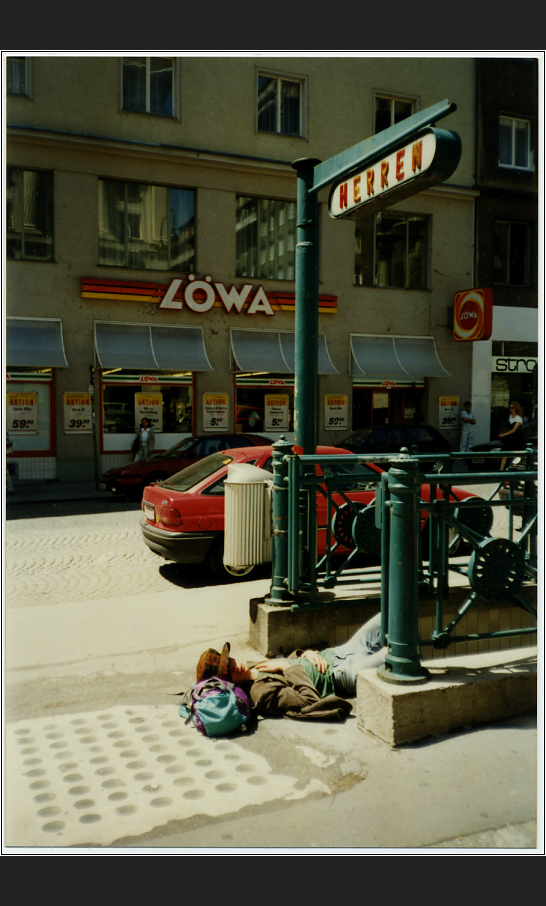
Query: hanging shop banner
{"x": 335, "y": 412}
{"x": 77, "y": 413}
{"x": 473, "y": 315}
{"x": 215, "y": 411}
{"x": 277, "y": 412}
{"x": 22, "y": 413}
{"x": 449, "y": 412}
{"x": 150, "y": 406}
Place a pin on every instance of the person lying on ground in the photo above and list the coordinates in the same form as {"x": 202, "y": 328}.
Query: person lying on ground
{"x": 309, "y": 683}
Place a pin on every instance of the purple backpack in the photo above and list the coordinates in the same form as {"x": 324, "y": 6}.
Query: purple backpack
{"x": 216, "y": 707}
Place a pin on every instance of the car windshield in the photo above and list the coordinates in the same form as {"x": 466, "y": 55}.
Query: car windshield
{"x": 360, "y": 472}
{"x": 356, "y": 438}
{"x": 179, "y": 448}
{"x": 196, "y": 473}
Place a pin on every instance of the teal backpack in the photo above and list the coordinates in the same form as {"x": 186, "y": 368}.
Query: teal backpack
{"x": 216, "y": 707}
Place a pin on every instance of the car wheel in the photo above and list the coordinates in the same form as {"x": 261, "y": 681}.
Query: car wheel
{"x": 220, "y": 571}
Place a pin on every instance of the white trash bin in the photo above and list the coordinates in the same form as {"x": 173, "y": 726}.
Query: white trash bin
{"x": 247, "y": 521}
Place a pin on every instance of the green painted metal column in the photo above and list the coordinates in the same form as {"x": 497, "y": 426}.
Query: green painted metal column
{"x": 403, "y": 660}
{"x": 306, "y": 323}
{"x": 278, "y": 593}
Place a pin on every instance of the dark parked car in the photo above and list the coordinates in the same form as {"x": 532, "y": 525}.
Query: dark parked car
{"x": 491, "y": 463}
{"x": 132, "y": 478}
{"x": 385, "y": 439}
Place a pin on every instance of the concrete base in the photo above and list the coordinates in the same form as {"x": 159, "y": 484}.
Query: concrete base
{"x": 280, "y": 630}
{"x": 461, "y": 691}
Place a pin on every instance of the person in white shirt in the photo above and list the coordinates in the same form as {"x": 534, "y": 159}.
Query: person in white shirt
{"x": 512, "y": 438}
{"x": 467, "y": 433}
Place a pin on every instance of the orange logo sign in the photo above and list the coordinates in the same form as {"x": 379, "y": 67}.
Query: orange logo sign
{"x": 473, "y": 315}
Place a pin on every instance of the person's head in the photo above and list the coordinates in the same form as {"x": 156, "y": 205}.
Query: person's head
{"x": 515, "y": 409}
{"x": 144, "y": 423}
{"x": 216, "y": 663}
{"x": 468, "y": 405}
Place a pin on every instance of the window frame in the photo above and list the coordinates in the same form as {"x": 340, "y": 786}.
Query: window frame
{"x": 513, "y": 121}
{"x": 392, "y": 98}
{"x": 526, "y": 252}
{"x": 24, "y": 233}
{"x": 280, "y": 78}
{"x": 425, "y": 261}
{"x": 147, "y": 112}
{"x": 27, "y": 66}
{"x": 127, "y": 230}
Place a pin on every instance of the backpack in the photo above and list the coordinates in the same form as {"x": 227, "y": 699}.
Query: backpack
{"x": 216, "y": 707}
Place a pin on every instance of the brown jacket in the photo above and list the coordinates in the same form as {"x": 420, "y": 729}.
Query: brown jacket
{"x": 292, "y": 694}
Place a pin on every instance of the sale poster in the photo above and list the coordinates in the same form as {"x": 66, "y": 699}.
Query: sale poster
{"x": 449, "y": 412}
{"x": 336, "y": 408}
{"x": 277, "y": 412}
{"x": 77, "y": 413}
{"x": 150, "y": 406}
{"x": 215, "y": 411}
{"x": 22, "y": 413}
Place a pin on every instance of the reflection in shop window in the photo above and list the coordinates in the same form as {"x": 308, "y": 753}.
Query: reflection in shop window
{"x": 266, "y": 408}
{"x": 29, "y": 215}
{"x": 146, "y": 227}
{"x": 391, "y": 250}
{"x": 265, "y": 235}
{"x": 122, "y": 408}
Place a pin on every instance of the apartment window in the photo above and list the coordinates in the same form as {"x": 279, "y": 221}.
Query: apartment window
{"x": 265, "y": 232}
{"x": 391, "y": 250}
{"x": 511, "y": 253}
{"x": 146, "y": 227}
{"x": 29, "y": 215}
{"x": 515, "y": 143}
{"x": 148, "y": 85}
{"x": 280, "y": 105}
{"x": 17, "y": 75}
{"x": 391, "y": 110}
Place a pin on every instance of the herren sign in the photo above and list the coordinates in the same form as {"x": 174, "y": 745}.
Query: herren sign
{"x": 430, "y": 158}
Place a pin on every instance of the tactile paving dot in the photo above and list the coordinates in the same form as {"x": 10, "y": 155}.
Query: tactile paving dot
{"x": 96, "y": 777}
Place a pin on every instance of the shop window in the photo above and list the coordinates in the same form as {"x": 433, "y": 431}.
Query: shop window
{"x": 146, "y": 227}
{"x": 280, "y": 104}
{"x": 511, "y": 253}
{"x": 29, "y": 397}
{"x": 391, "y": 110}
{"x": 169, "y": 407}
{"x": 29, "y": 215}
{"x": 267, "y": 407}
{"x": 265, "y": 232}
{"x": 148, "y": 85}
{"x": 18, "y": 76}
{"x": 515, "y": 143}
{"x": 391, "y": 250}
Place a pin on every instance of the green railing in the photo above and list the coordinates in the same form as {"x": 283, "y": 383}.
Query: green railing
{"x": 412, "y": 528}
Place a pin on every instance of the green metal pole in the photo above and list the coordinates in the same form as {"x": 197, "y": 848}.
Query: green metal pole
{"x": 403, "y": 660}
{"x": 278, "y": 593}
{"x": 306, "y": 323}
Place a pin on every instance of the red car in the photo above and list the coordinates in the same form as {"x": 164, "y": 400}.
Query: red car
{"x": 132, "y": 478}
{"x": 183, "y": 517}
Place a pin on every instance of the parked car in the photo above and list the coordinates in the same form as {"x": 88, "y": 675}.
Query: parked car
{"x": 183, "y": 517}
{"x": 385, "y": 439}
{"x": 132, "y": 478}
{"x": 491, "y": 463}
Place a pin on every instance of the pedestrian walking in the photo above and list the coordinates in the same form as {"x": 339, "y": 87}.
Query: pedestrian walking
{"x": 467, "y": 432}
{"x": 144, "y": 441}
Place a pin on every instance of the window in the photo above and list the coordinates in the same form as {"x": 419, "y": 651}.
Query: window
{"x": 515, "y": 143}
{"x": 391, "y": 250}
{"x": 146, "y": 227}
{"x": 29, "y": 215}
{"x": 280, "y": 105}
{"x": 148, "y": 85}
{"x": 389, "y": 111}
{"x": 17, "y": 72}
{"x": 265, "y": 232}
{"x": 510, "y": 255}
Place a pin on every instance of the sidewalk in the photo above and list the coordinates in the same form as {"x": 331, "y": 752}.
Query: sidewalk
{"x": 53, "y": 490}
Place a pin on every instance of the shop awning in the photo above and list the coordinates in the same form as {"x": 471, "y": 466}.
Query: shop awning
{"x": 35, "y": 342}
{"x": 150, "y": 348}
{"x": 273, "y": 351}
{"x": 391, "y": 356}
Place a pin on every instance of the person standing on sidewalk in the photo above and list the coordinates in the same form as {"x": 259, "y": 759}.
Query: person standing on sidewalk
{"x": 467, "y": 432}
{"x": 144, "y": 441}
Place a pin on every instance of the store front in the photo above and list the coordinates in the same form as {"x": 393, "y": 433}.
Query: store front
{"x": 389, "y": 378}
{"x": 514, "y": 377}
{"x": 34, "y": 349}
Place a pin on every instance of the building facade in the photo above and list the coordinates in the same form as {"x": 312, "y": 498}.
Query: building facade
{"x": 150, "y": 234}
